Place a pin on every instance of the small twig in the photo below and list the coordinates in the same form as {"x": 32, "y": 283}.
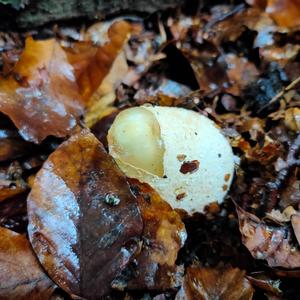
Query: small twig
{"x": 281, "y": 93}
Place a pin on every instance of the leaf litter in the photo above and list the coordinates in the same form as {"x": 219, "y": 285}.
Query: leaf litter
{"x": 95, "y": 233}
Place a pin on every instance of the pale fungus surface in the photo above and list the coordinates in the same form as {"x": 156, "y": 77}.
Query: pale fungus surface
{"x": 180, "y": 153}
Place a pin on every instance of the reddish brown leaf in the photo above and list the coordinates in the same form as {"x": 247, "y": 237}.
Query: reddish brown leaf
{"x": 13, "y": 214}
{"x": 240, "y": 72}
{"x": 295, "y": 219}
{"x": 264, "y": 282}
{"x": 41, "y": 95}
{"x": 215, "y": 283}
{"x": 11, "y": 182}
{"x": 163, "y": 235}
{"x": 21, "y": 276}
{"x": 268, "y": 242}
{"x": 83, "y": 219}
{"x": 285, "y": 12}
{"x": 92, "y": 63}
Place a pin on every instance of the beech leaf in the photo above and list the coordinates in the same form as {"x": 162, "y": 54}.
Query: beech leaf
{"x": 163, "y": 235}
{"x": 84, "y": 223}
{"x": 41, "y": 95}
{"x": 21, "y": 276}
{"x": 272, "y": 243}
{"x": 225, "y": 283}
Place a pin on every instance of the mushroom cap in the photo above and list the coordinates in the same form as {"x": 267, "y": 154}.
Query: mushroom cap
{"x": 197, "y": 162}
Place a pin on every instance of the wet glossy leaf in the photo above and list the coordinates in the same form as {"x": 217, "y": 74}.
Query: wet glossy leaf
{"x": 284, "y": 12}
{"x": 93, "y": 62}
{"x": 225, "y": 283}
{"x": 163, "y": 236}
{"x": 83, "y": 219}
{"x": 268, "y": 242}
{"x": 21, "y": 276}
{"x": 41, "y": 95}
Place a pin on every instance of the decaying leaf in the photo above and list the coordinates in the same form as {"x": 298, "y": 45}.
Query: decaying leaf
{"x": 84, "y": 222}
{"x": 264, "y": 282}
{"x": 93, "y": 62}
{"x": 21, "y": 276}
{"x": 224, "y": 283}
{"x": 11, "y": 182}
{"x": 292, "y": 118}
{"x": 12, "y": 145}
{"x": 163, "y": 236}
{"x": 295, "y": 219}
{"x": 268, "y": 242}
{"x": 41, "y": 95}
{"x": 13, "y": 213}
{"x": 285, "y": 12}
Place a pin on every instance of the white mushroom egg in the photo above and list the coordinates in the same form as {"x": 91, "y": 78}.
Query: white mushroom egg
{"x": 180, "y": 153}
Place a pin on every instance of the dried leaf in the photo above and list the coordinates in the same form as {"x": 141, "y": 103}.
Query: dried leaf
{"x": 41, "y": 95}
{"x": 285, "y": 12}
{"x": 11, "y": 182}
{"x": 92, "y": 63}
{"x": 240, "y": 72}
{"x": 163, "y": 236}
{"x": 225, "y": 283}
{"x": 292, "y": 118}
{"x": 101, "y": 103}
{"x": 264, "y": 282}
{"x": 83, "y": 219}
{"x": 268, "y": 242}
{"x": 21, "y": 276}
{"x": 13, "y": 214}
{"x": 295, "y": 219}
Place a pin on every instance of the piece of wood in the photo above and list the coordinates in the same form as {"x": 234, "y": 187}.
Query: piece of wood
{"x": 40, "y": 12}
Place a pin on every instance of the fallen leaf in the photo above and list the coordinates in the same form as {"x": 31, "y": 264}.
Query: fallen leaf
{"x": 100, "y": 65}
{"x": 41, "y": 96}
{"x": 264, "y": 282}
{"x": 268, "y": 242}
{"x": 21, "y": 276}
{"x": 292, "y": 118}
{"x": 84, "y": 223}
{"x": 12, "y": 145}
{"x": 240, "y": 72}
{"x": 13, "y": 214}
{"x": 295, "y": 219}
{"x": 163, "y": 236}
{"x": 11, "y": 181}
{"x": 204, "y": 283}
{"x": 101, "y": 102}
{"x": 92, "y": 63}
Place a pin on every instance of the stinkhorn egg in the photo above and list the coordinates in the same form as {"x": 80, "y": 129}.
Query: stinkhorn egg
{"x": 180, "y": 153}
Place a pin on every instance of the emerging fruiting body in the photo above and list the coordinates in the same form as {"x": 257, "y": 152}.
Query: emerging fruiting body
{"x": 179, "y": 152}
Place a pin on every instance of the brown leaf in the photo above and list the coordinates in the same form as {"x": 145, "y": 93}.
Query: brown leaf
{"x": 83, "y": 219}
{"x": 13, "y": 214}
{"x": 285, "y": 12}
{"x": 11, "y": 182}
{"x": 225, "y": 283}
{"x": 93, "y": 62}
{"x": 240, "y": 72}
{"x": 295, "y": 219}
{"x": 41, "y": 95}
{"x": 264, "y": 282}
{"x": 21, "y": 276}
{"x": 12, "y": 145}
{"x": 268, "y": 242}
{"x": 164, "y": 234}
